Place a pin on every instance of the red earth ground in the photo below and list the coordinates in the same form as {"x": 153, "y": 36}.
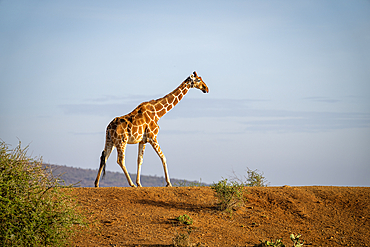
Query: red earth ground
{"x": 324, "y": 216}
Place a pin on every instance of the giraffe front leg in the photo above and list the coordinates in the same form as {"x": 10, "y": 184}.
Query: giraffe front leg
{"x": 158, "y": 150}
{"x": 121, "y": 162}
{"x": 140, "y": 162}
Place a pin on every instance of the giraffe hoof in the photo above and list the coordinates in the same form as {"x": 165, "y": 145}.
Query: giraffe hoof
{"x": 169, "y": 185}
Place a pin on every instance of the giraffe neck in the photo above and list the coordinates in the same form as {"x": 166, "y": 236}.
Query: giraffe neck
{"x": 166, "y": 103}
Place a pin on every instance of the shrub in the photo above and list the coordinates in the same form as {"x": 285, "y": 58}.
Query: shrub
{"x": 252, "y": 179}
{"x": 34, "y": 210}
{"x": 229, "y": 194}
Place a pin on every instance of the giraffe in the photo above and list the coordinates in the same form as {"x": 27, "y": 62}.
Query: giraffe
{"x": 141, "y": 127}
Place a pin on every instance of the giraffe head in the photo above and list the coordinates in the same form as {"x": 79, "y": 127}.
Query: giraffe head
{"x": 197, "y": 82}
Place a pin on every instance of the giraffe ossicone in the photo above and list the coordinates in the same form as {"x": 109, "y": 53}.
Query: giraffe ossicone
{"x": 140, "y": 127}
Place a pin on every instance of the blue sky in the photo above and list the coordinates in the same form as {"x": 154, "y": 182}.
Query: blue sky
{"x": 289, "y": 84}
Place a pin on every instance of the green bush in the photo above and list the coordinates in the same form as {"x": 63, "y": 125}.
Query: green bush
{"x": 252, "y": 179}
{"x": 255, "y": 179}
{"x": 34, "y": 210}
{"x": 229, "y": 194}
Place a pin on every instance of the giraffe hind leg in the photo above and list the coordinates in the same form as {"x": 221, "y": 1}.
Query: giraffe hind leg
{"x": 121, "y": 162}
{"x": 103, "y": 161}
{"x": 101, "y": 167}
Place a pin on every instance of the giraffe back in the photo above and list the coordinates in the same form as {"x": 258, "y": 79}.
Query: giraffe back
{"x": 139, "y": 125}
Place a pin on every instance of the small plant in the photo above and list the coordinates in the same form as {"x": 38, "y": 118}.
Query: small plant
{"x": 229, "y": 194}
{"x": 279, "y": 242}
{"x": 185, "y": 219}
{"x": 182, "y": 240}
{"x": 296, "y": 241}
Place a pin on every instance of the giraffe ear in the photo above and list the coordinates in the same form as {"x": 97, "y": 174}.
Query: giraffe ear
{"x": 195, "y": 74}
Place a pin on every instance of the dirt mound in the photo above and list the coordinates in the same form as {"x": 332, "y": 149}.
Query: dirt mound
{"x": 324, "y": 216}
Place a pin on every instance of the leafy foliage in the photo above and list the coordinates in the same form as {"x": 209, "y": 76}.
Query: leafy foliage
{"x": 229, "y": 194}
{"x": 279, "y": 242}
{"x": 185, "y": 219}
{"x": 276, "y": 243}
{"x": 34, "y": 210}
{"x": 296, "y": 241}
{"x": 254, "y": 178}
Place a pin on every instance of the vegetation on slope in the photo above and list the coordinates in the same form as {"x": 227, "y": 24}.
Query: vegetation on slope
{"x": 33, "y": 209}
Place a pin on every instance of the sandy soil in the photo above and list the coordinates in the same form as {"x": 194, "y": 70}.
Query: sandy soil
{"x": 324, "y": 216}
